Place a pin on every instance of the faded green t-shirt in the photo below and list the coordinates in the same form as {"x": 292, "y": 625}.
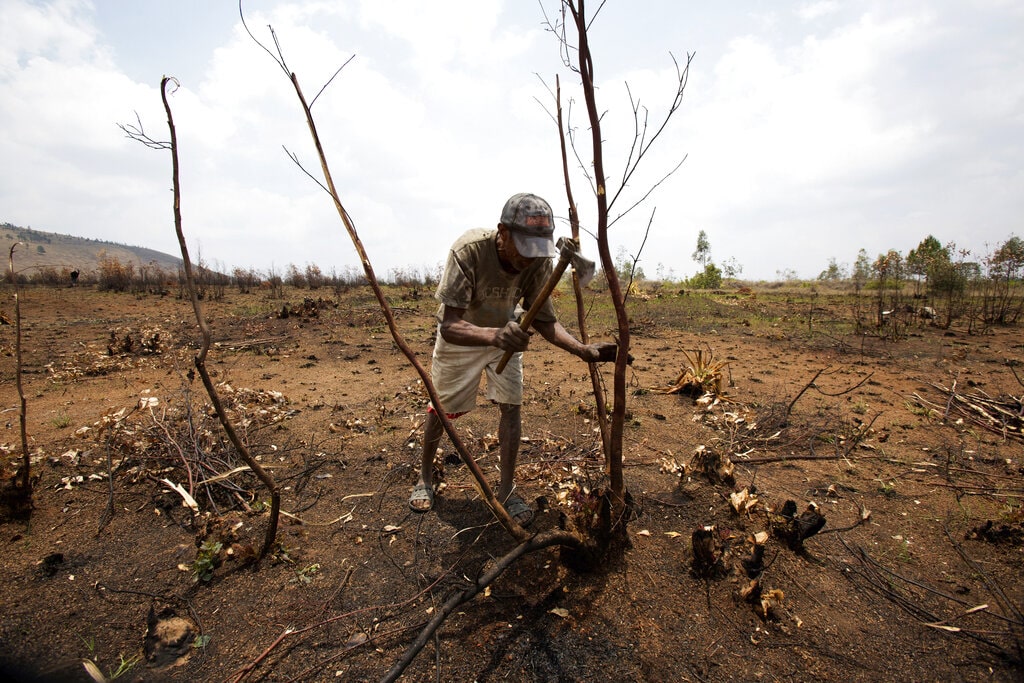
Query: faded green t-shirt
{"x": 474, "y": 280}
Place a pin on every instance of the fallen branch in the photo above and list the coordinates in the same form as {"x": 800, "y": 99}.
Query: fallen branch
{"x": 879, "y": 579}
{"x": 289, "y": 632}
{"x": 1001, "y": 416}
{"x": 250, "y": 343}
{"x": 785, "y": 458}
{"x": 343, "y": 518}
{"x": 789, "y": 408}
{"x": 538, "y": 542}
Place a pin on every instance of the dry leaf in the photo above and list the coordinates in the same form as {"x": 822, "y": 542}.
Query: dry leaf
{"x": 770, "y": 601}
{"x": 643, "y": 532}
{"x": 93, "y": 671}
{"x": 356, "y": 640}
{"x": 560, "y": 612}
{"x": 742, "y": 502}
{"x": 186, "y": 498}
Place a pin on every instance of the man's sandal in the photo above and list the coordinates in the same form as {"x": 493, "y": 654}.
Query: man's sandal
{"x": 421, "y": 494}
{"x": 519, "y": 510}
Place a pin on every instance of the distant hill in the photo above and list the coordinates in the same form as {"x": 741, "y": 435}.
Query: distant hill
{"x": 53, "y": 250}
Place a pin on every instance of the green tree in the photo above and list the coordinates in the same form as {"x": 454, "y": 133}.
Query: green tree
{"x": 710, "y": 278}
{"x": 834, "y": 272}
{"x": 861, "y": 271}
{"x": 889, "y": 270}
{"x": 947, "y": 282}
{"x": 929, "y": 255}
{"x": 1005, "y": 270}
{"x": 1008, "y": 260}
{"x": 702, "y": 254}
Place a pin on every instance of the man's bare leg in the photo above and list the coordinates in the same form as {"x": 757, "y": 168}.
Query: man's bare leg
{"x": 509, "y": 431}
{"x": 433, "y": 430}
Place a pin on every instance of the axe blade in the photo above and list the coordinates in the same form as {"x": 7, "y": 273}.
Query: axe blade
{"x": 584, "y": 272}
{"x": 583, "y": 267}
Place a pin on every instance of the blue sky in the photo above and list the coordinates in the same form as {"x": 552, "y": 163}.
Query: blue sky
{"x": 810, "y": 129}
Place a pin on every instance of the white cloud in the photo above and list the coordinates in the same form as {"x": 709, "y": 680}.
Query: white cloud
{"x": 811, "y": 132}
{"x": 816, "y": 10}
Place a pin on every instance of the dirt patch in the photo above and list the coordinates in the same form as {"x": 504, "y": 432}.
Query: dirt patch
{"x": 914, "y": 575}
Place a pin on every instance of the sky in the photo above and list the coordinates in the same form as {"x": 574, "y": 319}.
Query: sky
{"x": 807, "y": 130}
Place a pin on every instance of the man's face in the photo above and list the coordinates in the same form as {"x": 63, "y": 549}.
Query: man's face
{"x": 509, "y": 251}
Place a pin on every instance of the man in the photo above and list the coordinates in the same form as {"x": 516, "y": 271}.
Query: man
{"x": 487, "y": 273}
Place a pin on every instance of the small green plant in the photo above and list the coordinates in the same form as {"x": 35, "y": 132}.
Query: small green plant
{"x": 859, "y": 408}
{"x": 124, "y": 666}
{"x": 702, "y": 376}
{"x": 90, "y": 645}
{"x": 306, "y": 574}
{"x": 887, "y": 488}
{"x": 206, "y": 561}
{"x": 916, "y": 409}
{"x": 201, "y": 641}
{"x": 60, "y": 421}
{"x": 903, "y": 550}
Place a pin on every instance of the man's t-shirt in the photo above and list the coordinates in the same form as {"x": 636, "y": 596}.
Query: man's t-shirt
{"x": 474, "y": 280}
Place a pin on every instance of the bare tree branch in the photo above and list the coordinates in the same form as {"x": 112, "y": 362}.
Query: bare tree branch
{"x": 138, "y": 134}
{"x": 480, "y": 480}
{"x": 200, "y": 359}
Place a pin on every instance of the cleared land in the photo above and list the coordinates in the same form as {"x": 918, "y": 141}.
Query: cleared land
{"x": 915, "y": 576}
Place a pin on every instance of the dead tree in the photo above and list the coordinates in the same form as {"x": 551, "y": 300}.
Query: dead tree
{"x": 136, "y": 133}
{"x": 579, "y": 59}
{"x": 19, "y": 496}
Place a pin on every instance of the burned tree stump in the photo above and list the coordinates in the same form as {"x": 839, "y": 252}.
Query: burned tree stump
{"x": 794, "y": 529}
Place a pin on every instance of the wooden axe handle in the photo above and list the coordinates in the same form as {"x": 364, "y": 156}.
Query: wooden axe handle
{"x": 527, "y": 320}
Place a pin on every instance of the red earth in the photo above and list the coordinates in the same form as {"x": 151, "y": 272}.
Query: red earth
{"x": 914, "y": 576}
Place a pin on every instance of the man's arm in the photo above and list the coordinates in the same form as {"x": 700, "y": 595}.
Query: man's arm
{"x": 512, "y": 337}
{"x": 456, "y": 330}
{"x": 602, "y": 352}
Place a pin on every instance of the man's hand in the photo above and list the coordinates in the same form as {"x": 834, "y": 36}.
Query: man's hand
{"x": 512, "y": 337}
{"x": 602, "y": 352}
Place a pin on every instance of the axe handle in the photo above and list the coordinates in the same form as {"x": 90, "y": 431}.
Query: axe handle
{"x": 549, "y": 287}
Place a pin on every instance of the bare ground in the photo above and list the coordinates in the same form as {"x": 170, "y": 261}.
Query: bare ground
{"x": 915, "y": 575}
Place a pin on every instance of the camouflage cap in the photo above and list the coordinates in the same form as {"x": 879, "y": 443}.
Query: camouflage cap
{"x": 531, "y": 223}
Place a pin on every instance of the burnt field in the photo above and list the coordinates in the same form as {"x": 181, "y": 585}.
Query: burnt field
{"x": 906, "y": 440}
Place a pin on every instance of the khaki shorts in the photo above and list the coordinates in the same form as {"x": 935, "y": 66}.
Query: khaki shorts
{"x": 456, "y": 370}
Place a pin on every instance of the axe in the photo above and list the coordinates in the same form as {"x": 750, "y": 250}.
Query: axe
{"x": 568, "y": 252}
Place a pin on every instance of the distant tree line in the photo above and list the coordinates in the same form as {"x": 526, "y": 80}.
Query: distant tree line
{"x": 942, "y": 282}
{"x": 114, "y": 275}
